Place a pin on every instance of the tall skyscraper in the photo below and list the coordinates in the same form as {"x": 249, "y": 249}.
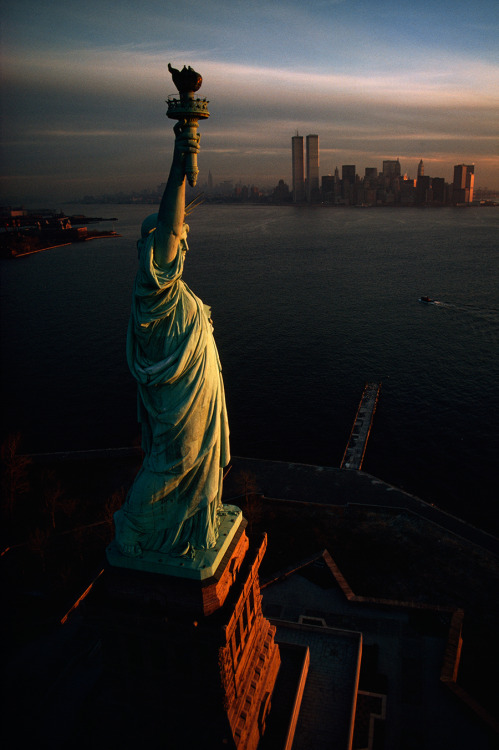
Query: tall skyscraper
{"x": 328, "y": 188}
{"x": 348, "y": 182}
{"x": 464, "y": 182}
{"x": 391, "y": 168}
{"x": 423, "y": 190}
{"x": 470, "y": 182}
{"x": 312, "y": 184}
{"x": 348, "y": 173}
{"x": 298, "y": 170}
{"x": 420, "y": 168}
{"x": 438, "y": 190}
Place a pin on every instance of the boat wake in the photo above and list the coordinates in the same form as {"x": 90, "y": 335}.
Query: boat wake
{"x": 491, "y": 314}
{"x": 483, "y": 321}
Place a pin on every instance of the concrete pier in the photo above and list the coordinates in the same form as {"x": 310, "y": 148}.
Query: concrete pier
{"x": 357, "y": 442}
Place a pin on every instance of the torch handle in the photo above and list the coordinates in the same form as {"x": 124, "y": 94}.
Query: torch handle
{"x": 191, "y": 162}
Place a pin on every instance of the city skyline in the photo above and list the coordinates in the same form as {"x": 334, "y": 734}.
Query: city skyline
{"x": 84, "y": 89}
{"x": 397, "y": 186}
{"x": 390, "y": 186}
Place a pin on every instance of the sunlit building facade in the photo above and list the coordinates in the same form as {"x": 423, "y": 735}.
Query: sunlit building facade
{"x": 464, "y": 183}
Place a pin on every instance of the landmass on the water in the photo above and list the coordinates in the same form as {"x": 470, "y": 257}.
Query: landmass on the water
{"x": 24, "y": 232}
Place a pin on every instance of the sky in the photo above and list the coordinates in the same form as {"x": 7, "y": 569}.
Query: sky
{"x": 84, "y": 86}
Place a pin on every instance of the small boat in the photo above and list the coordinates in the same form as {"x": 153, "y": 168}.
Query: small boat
{"x": 425, "y": 299}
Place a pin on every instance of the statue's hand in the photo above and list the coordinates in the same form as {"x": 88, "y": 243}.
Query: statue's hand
{"x": 185, "y": 152}
{"x": 187, "y": 139}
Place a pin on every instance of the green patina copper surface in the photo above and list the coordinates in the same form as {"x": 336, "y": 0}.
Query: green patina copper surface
{"x": 200, "y": 567}
{"x": 173, "y": 505}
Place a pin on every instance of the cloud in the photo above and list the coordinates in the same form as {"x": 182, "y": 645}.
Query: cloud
{"x": 123, "y": 86}
{"x": 132, "y": 69}
{"x": 99, "y": 112}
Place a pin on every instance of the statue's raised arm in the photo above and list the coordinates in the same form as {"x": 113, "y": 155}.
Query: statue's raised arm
{"x": 171, "y": 214}
{"x": 187, "y": 109}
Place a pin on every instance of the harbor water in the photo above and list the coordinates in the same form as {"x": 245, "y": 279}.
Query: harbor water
{"x": 308, "y": 305}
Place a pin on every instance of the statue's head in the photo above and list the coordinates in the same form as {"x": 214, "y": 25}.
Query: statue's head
{"x": 183, "y": 238}
{"x": 148, "y": 225}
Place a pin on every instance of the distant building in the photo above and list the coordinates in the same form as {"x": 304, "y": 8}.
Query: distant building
{"x": 348, "y": 182}
{"x": 368, "y": 193}
{"x": 226, "y": 187}
{"x": 407, "y": 192}
{"x": 281, "y": 193}
{"x": 438, "y": 190}
{"x": 391, "y": 168}
{"x": 13, "y": 213}
{"x": 328, "y": 188}
{"x": 348, "y": 173}
{"x": 423, "y": 189}
{"x": 463, "y": 185}
{"x": 312, "y": 184}
{"x": 298, "y": 169}
{"x": 420, "y": 168}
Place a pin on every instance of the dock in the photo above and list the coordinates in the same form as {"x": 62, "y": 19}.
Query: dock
{"x": 353, "y": 456}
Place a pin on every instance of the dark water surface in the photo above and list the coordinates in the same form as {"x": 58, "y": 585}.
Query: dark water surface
{"x": 308, "y": 305}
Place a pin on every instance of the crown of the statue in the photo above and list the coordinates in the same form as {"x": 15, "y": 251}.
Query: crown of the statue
{"x": 186, "y": 79}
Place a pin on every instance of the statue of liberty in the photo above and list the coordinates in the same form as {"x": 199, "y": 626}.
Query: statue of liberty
{"x": 173, "y": 504}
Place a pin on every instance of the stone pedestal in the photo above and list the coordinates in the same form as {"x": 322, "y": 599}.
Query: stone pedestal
{"x": 187, "y": 660}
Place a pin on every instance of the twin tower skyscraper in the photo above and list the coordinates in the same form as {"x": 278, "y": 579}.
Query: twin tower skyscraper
{"x": 305, "y": 172}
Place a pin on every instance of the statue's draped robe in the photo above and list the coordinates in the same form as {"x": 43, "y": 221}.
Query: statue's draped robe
{"x": 171, "y": 352}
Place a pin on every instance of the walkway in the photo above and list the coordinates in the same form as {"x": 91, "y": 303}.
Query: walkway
{"x": 322, "y": 485}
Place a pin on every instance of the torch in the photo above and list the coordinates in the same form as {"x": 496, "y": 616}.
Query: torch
{"x": 188, "y": 108}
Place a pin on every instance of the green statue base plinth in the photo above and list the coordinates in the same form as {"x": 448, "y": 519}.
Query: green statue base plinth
{"x": 199, "y": 568}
